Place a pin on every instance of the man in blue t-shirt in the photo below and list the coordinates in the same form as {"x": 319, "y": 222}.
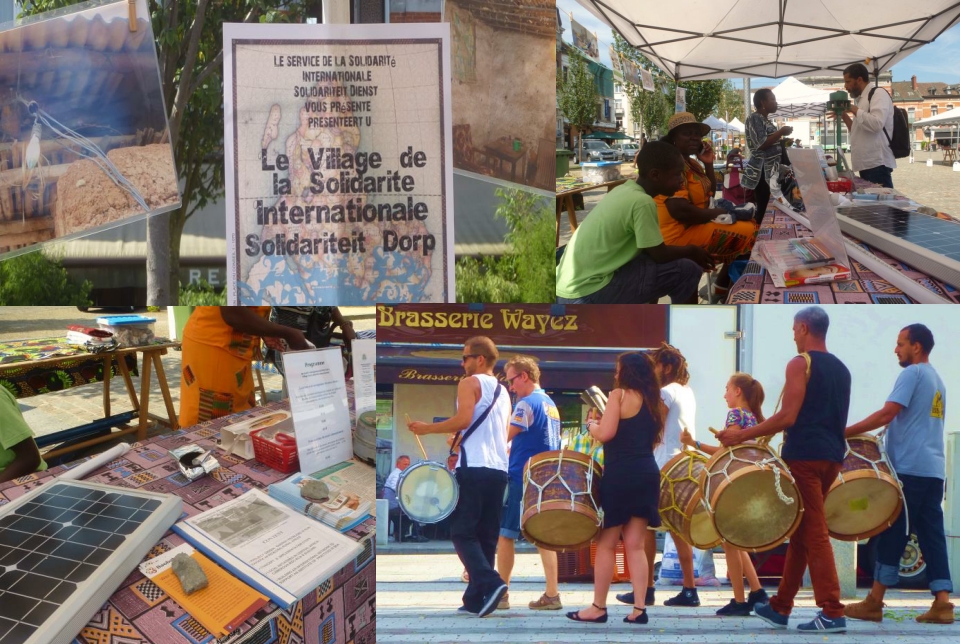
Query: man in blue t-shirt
{"x": 913, "y": 414}
{"x": 534, "y": 428}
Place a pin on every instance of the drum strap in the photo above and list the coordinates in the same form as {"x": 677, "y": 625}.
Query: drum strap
{"x": 459, "y": 439}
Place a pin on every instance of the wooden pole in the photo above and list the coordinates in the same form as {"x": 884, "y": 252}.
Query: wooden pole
{"x": 132, "y": 6}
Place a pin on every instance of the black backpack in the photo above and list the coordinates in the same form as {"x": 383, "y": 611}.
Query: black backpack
{"x": 900, "y": 141}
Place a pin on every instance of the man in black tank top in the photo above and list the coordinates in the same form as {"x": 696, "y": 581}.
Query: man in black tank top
{"x": 814, "y": 416}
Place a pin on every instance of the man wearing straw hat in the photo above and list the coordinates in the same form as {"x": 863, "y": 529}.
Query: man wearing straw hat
{"x": 914, "y": 415}
{"x": 534, "y": 428}
{"x": 483, "y": 414}
{"x": 814, "y": 415}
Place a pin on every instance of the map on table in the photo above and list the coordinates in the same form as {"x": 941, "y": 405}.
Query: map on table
{"x": 65, "y": 548}
{"x": 339, "y": 166}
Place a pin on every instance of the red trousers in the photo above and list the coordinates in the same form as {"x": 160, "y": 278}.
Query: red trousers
{"x": 810, "y": 544}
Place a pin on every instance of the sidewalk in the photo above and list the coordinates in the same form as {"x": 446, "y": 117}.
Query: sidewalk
{"x": 417, "y": 598}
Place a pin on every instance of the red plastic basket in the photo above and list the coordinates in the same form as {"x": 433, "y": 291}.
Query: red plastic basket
{"x": 574, "y": 566}
{"x": 840, "y": 185}
{"x": 621, "y": 572}
{"x": 280, "y": 455}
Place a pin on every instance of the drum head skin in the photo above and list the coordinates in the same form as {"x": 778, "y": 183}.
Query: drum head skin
{"x": 561, "y": 530}
{"x": 427, "y": 492}
{"x": 750, "y": 515}
{"x": 862, "y": 506}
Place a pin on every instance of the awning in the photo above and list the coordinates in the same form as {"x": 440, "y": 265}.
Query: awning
{"x": 951, "y": 116}
{"x": 609, "y": 135}
{"x": 760, "y": 38}
{"x": 795, "y": 99}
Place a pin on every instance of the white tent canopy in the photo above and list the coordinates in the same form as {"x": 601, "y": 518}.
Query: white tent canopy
{"x": 761, "y": 38}
{"x": 949, "y": 117}
{"x": 795, "y": 99}
{"x": 716, "y": 124}
{"x": 735, "y": 125}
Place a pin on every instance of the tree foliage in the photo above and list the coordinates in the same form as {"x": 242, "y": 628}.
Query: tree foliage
{"x": 731, "y": 103}
{"x": 35, "y": 279}
{"x": 654, "y": 109}
{"x": 577, "y": 94}
{"x": 189, "y": 35}
{"x": 526, "y": 273}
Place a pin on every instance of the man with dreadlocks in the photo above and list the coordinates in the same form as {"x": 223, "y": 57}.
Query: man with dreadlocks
{"x": 671, "y": 368}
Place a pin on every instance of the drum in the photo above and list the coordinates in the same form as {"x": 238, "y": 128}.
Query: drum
{"x": 427, "y": 492}
{"x": 751, "y": 497}
{"x": 866, "y": 498}
{"x": 561, "y": 500}
{"x": 681, "y": 504}
{"x": 365, "y": 437}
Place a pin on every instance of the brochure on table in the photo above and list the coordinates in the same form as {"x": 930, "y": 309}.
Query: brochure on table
{"x": 221, "y": 607}
{"x": 271, "y": 547}
{"x": 823, "y": 257}
{"x": 318, "y": 401}
{"x": 364, "y": 375}
{"x": 351, "y": 484}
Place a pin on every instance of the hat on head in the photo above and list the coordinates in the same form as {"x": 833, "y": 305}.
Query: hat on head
{"x": 682, "y": 118}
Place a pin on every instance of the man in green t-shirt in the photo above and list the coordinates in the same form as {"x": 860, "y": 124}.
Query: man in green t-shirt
{"x": 617, "y": 255}
{"x": 19, "y": 455}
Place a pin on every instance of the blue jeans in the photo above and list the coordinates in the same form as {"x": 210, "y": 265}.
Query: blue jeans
{"x": 923, "y": 496}
{"x": 641, "y": 280}
{"x": 510, "y": 515}
{"x": 881, "y": 175}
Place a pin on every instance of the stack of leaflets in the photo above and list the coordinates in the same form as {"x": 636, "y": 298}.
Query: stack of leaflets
{"x": 89, "y": 338}
{"x": 800, "y": 261}
{"x": 351, "y": 501}
{"x": 269, "y": 546}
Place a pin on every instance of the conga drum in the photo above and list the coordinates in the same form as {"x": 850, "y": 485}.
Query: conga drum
{"x": 681, "y": 504}
{"x": 866, "y": 497}
{"x": 751, "y": 496}
{"x": 427, "y": 492}
{"x": 561, "y": 500}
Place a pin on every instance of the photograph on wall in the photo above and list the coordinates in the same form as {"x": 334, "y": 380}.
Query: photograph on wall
{"x": 84, "y": 142}
{"x": 338, "y": 176}
{"x": 502, "y": 134}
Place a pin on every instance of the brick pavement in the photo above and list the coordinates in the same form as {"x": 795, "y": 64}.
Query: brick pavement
{"x": 417, "y": 597}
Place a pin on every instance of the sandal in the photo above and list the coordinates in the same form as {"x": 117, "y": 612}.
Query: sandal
{"x": 641, "y": 618}
{"x": 575, "y": 616}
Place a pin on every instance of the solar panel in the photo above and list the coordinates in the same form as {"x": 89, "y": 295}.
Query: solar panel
{"x": 65, "y": 548}
{"x": 928, "y": 244}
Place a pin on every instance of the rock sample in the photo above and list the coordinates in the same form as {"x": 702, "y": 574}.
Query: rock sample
{"x": 189, "y": 572}
{"x": 314, "y": 490}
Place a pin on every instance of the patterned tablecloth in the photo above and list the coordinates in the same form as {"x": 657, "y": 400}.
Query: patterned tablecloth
{"x": 339, "y": 611}
{"x": 756, "y": 286}
{"x": 74, "y": 366}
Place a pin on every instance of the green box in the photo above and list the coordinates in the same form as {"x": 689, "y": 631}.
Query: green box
{"x": 563, "y": 162}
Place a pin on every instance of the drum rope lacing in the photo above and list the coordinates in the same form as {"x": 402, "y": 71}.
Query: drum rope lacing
{"x": 765, "y": 464}
{"x": 671, "y": 483}
{"x": 573, "y": 495}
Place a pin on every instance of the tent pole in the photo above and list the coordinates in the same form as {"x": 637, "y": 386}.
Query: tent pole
{"x": 746, "y": 110}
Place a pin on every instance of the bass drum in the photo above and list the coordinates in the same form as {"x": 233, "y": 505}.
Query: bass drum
{"x": 561, "y": 493}
{"x": 427, "y": 492}
{"x": 866, "y": 498}
{"x": 681, "y": 504}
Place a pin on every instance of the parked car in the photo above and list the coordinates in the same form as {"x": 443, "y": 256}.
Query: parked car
{"x": 596, "y": 150}
{"x": 627, "y": 150}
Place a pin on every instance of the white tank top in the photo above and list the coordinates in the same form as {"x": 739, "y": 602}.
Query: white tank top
{"x": 487, "y": 445}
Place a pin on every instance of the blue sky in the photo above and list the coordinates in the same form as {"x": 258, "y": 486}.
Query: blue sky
{"x": 936, "y": 62}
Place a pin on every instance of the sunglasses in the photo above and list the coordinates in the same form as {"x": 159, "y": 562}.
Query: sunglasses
{"x": 510, "y": 380}
{"x": 468, "y": 356}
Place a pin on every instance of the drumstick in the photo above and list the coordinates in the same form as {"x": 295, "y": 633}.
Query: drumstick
{"x": 713, "y": 431}
{"x": 425, "y": 457}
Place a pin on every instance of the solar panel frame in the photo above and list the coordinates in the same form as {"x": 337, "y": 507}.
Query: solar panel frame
{"x": 101, "y": 533}
{"x": 929, "y": 244}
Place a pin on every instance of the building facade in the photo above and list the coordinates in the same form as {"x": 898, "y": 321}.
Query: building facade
{"x": 606, "y": 119}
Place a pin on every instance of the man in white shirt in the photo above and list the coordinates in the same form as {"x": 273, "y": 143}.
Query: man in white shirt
{"x": 390, "y": 493}
{"x": 483, "y": 411}
{"x": 870, "y": 122}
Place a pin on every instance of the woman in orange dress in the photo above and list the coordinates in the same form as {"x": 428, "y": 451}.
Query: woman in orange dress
{"x": 219, "y": 343}
{"x": 685, "y": 217}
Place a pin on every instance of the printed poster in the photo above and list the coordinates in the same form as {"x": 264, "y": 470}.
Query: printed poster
{"x": 681, "y": 100}
{"x": 647, "y": 80}
{"x": 631, "y": 73}
{"x": 584, "y": 39}
{"x": 338, "y": 155}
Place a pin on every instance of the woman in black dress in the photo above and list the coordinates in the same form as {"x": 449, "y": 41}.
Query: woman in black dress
{"x": 629, "y": 490}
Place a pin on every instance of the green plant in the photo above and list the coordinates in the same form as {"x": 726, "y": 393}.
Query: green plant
{"x": 35, "y": 279}
{"x": 526, "y": 272}
{"x": 577, "y": 96}
{"x": 201, "y": 294}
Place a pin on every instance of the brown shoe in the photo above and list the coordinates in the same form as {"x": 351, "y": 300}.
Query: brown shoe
{"x": 939, "y": 613}
{"x": 869, "y": 610}
{"x": 504, "y": 603}
{"x": 546, "y": 603}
